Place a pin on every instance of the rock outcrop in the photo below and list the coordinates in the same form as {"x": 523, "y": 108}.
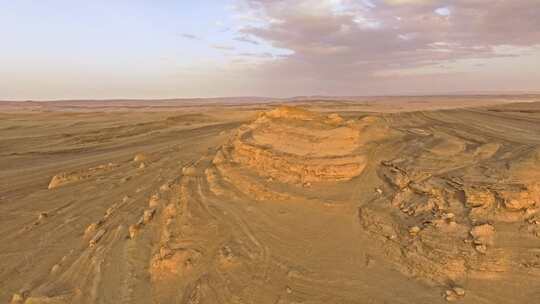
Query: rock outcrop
{"x": 292, "y": 145}
{"x": 79, "y": 175}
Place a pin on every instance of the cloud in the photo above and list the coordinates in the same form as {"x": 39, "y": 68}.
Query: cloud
{"x": 342, "y": 43}
{"x": 443, "y": 11}
{"x": 255, "y": 55}
{"x": 246, "y": 39}
{"x": 399, "y": 2}
{"x": 190, "y": 36}
{"x": 223, "y": 47}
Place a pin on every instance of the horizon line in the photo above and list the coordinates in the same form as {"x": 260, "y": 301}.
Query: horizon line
{"x": 307, "y": 97}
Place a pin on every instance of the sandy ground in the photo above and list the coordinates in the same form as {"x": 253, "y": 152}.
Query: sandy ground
{"x": 401, "y": 200}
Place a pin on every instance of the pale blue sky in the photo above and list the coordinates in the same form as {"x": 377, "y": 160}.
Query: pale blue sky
{"x": 82, "y": 49}
{"x": 111, "y": 29}
{"x": 160, "y": 49}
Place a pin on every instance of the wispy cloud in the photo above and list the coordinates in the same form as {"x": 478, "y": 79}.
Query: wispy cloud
{"x": 255, "y": 55}
{"x": 223, "y": 47}
{"x": 190, "y": 36}
{"x": 246, "y": 39}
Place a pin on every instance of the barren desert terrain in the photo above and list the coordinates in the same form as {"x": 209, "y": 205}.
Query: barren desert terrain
{"x": 384, "y": 200}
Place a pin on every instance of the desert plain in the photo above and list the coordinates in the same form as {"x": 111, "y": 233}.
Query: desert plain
{"x": 308, "y": 200}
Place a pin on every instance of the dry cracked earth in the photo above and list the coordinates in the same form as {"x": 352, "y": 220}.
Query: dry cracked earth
{"x": 260, "y": 203}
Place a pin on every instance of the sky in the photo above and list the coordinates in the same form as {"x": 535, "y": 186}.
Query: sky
{"x": 74, "y": 49}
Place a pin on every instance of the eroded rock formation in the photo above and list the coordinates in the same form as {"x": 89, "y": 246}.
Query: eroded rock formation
{"x": 440, "y": 221}
{"x": 292, "y": 145}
